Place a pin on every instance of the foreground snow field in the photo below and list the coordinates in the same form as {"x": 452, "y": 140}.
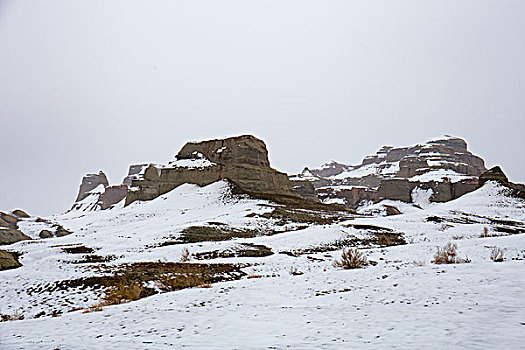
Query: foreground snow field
{"x": 300, "y": 302}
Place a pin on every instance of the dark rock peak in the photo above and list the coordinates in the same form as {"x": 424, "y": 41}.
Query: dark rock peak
{"x": 494, "y": 174}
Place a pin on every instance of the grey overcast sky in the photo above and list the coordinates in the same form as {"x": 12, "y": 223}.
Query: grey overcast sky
{"x": 99, "y": 85}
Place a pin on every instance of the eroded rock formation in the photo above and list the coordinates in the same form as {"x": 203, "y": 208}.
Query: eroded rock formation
{"x": 89, "y": 183}
{"x": 443, "y": 165}
{"x": 243, "y": 160}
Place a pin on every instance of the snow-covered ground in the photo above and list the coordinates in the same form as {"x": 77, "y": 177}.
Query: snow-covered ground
{"x": 404, "y": 301}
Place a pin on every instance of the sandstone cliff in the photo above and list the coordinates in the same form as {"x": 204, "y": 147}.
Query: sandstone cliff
{"x": 443, "y": 165}
{"x": 243, "y": 160}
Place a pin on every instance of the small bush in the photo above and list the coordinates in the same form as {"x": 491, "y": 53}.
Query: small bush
{"x": 185, "y": 256}
{"x": 351, "y": 259}
{"x": 448, "y": 255}
{"x": 384, "y": 241}
{"x": 486, "y": 233}
{"x": 496, "y": 254}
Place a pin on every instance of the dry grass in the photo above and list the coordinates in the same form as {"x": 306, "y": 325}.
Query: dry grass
{"x": 16, "y": 316}
{"x": 496, "y": 254}
{"x": 122, "y": 292}
{"x": 351, "y": 259}
{"x": 172, "y": 282}
{"x": 185, "y": 256}
{"x": 486, "y": 233}
{"x": 384, "y": 241}
{"x": 448, "y": 254}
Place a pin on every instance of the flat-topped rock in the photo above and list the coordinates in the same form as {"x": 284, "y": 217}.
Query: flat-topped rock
{"x": 243, "y": 160}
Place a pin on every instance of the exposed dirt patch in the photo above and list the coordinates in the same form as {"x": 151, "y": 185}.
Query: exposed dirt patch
{"x": 78, "y": 250}
{"x": 242, "y": 250}
{"x": 195, "y": 234}
{"x": 376, "y": 236}
{"x": 93, "y": 258}
{"x": 146, "y": 278}
{"x": 287, "y": 215}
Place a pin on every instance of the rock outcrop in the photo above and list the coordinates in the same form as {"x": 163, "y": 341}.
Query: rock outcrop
{"x": 497, "y": 174}
{"x": 8, "y": 260}
{"x": 494, "y": 174}
{"x": 243, "y": 160}
{"x": 443, "y": 165}
{"x": 89, "y": 183}
{"x": 9, "y": 232}
{"x": 10, "y": 236}
{"x": 95, "y": 193}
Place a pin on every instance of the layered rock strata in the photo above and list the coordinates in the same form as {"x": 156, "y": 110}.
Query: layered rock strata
{"x": 443, "y": 165}
{"x": 243, "y": 160}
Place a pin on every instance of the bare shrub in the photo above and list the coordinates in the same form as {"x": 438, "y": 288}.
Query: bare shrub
{"x": 16, "y": 316}
{"x": 384, "y": 241}
{"x": 496, "y": 254}
{"x": 351, "y": 259}
{"x": 485, "y": 233}
{"x": 185, "y": 256}
{"x": 448, "y": 254}
{"x": 295, "y": 272}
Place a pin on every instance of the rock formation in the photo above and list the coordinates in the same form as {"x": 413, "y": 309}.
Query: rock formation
{"x": 9, "y": 232}
{"x": 443, "y": 165}
{"x": 95, "y": 193}
{"x": 8, "y": 260}
{"x": 243, "y": 160}
{"x": 496, "y": 174}
{"x": 89, "y": 183}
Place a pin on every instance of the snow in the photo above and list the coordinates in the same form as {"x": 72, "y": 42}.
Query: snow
{"x": 440, "y": 174}
{"x": 384, "y": 169}
{"x": 195, "y": 163}
{"x": 402, "y": 302}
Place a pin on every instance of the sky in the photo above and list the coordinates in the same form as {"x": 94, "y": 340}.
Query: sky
{"x": 99, "y": 85}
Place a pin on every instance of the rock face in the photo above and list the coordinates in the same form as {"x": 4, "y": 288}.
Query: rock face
{"x": 89, "y": 183}
{"x": 443, "y": 165}
{"x": 8, "y": 260}
{"x": 9, "y": 232}
{"x": 243, "y": 160}
{"x": 95, "y": 193}
{"x": 10, "y": 236}
{"x": 112, "y": 195}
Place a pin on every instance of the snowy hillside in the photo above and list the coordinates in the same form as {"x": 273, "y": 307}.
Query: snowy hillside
{"x": 294, "y": 297}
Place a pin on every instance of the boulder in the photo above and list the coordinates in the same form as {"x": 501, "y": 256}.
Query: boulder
{"x": 8, "y": 260}
{"x": 10, "y": 236}
{"x": 11, "y": 220}
{"x": 61, "y": 232}
{"x": 45, "y": 234}
{"x": 243, "y": 160}
{"x": 20, "y": 213}
{"x": 390, "y": 210}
